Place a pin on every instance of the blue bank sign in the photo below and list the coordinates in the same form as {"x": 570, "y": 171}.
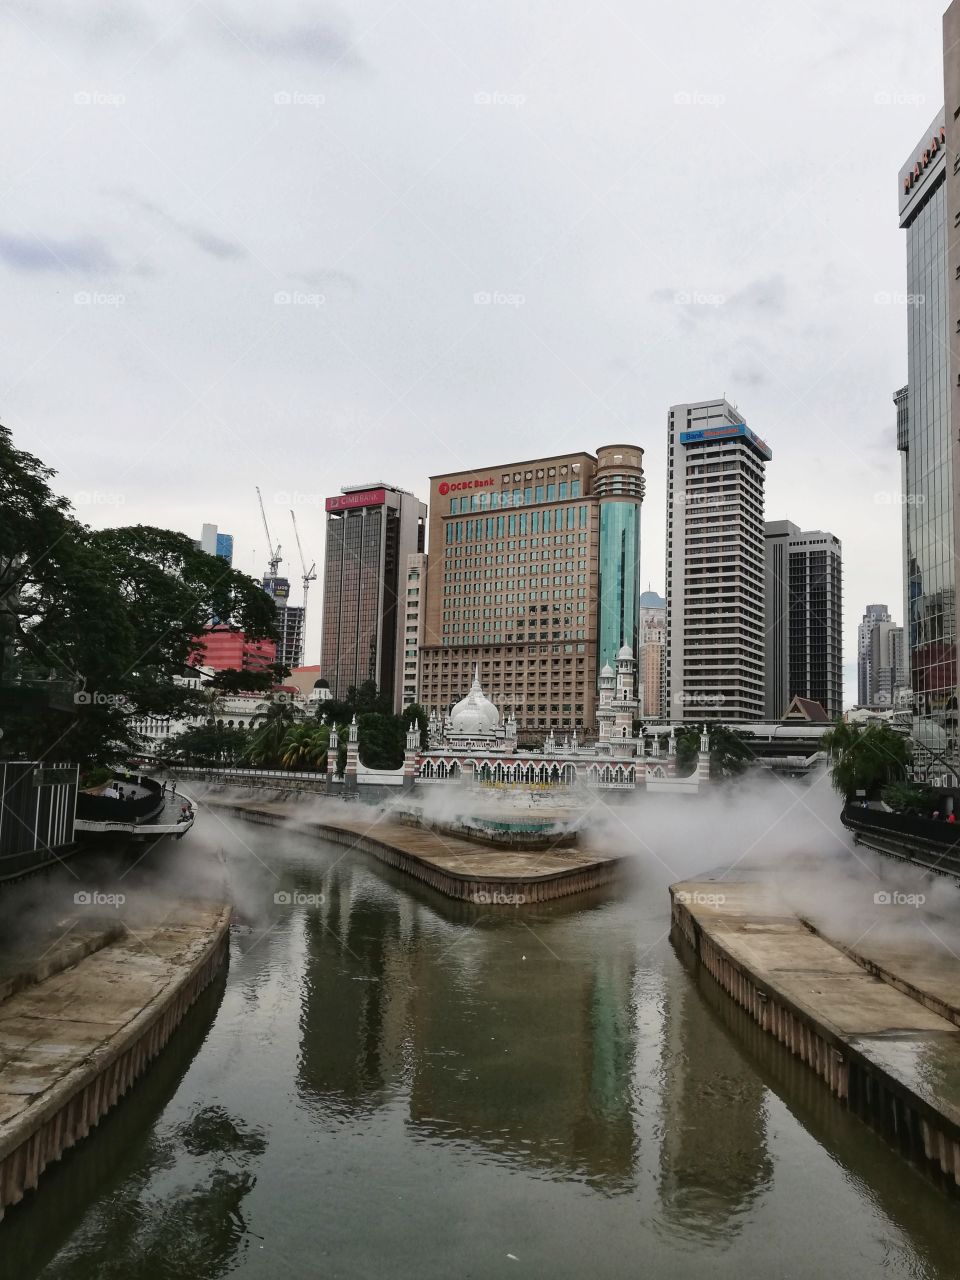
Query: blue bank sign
{"x": 708, "y": 434}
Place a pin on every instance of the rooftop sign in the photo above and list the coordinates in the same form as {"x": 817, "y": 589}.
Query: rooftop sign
{"x": 364, "y": 498}
{"x": 728, "y": 432}
{"x": 456, "y": 486}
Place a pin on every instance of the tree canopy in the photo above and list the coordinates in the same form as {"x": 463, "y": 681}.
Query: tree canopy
{"x": 96, "y": 624}
{"x": 866, "y": 758}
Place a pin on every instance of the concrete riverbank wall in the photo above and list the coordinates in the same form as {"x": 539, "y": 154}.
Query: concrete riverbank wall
{"x": 456, "y": 868}
{"x": 889, "y": 1058}
{"x": 71, "y": 1046}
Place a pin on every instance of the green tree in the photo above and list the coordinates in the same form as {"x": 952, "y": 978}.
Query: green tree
{"x": 266, "y": 743}
{"x": 730, "y": 750}
{"x": 906, "y": 797}
{"x": 305, "y": 746}
{"x": 96, "y": 625}
{"x": 415, "y": 713}
{"x": 380, "y": 740}
{"x": 230, "y": 680}
{"x": 865, "y": 758}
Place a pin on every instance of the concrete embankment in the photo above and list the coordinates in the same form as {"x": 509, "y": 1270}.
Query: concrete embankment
{"x": 456, "y": 868}
{"x": 73, "y": 1043}
{"x": 890, "y": 1057}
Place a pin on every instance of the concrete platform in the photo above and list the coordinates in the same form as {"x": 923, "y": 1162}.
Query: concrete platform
{"x": 887, "y": 1055}
{"x": 72, "y": 1044}
{"x": 458, "y": 868}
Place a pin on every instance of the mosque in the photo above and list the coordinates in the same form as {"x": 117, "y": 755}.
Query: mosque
{"x": 473, "y": 744}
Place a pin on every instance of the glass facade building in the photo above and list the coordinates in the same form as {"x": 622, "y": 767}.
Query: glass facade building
{"x": 619, "y": 487}
{"x": 925, "y": 441}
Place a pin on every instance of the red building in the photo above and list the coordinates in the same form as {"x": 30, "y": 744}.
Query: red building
{"x": 227, "y": 648}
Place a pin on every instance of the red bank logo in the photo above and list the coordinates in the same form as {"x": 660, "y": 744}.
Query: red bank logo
{"x": 936, "y": 144}
{"x": 443, "y": 488}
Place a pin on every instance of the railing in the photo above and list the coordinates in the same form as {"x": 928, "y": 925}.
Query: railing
{"x": 929, "y": 842}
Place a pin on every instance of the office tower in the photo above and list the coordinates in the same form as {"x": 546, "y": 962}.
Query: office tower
{"x": 371, "y": 532}
{"x": 872, "y": 615}
{"x": 804, "y": 618}
{"x": 215, "y": 543}
{"x": 886, "y": 663}
{"x": 715, "y": 564}
{"x": 618, "y": 484}
{"x": 530, "y": 563}
{"x": 653, "y": 639}
{"x": 923, "y": 422}
{"x": 414, "y": 621}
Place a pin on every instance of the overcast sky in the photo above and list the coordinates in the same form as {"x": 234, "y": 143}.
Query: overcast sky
{"x": 665, "y": 203}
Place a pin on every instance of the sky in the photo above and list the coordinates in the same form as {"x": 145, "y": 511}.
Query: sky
{"x": 306, "y": 246}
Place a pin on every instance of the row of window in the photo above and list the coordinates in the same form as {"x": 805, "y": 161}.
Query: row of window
{"x": 517, "y": 524}
{"x": 493, "y": 500}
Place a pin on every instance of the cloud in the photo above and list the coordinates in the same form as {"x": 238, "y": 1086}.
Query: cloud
{"x": 30, "y": 253}
{"x": 765, "y": 296}
{"x": 331, "y": 279}
{"x": 207, "y": 241}
{"x": 325, "y": 43}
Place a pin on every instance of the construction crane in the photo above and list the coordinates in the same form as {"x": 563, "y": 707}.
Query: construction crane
{"x": 309, "y": 575}
{"x": 273, "y": 553}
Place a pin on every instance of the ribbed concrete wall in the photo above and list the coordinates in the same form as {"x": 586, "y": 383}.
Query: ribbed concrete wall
{"x": 78, "y": 1102}
{"x": 887, "y": 1104}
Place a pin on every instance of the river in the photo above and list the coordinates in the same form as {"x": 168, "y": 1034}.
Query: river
{"x": 387, "y": 1084}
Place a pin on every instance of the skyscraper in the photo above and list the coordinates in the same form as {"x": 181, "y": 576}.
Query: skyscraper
{"x": 653, "y": 639}
{"x": 804, "y": 618}
{"x": 533, "y": 567}
{"x": 371, "y": 531}
{"x": 924, "y": 432}
{"x": 715, "y": 564}
{"x": 215, "y": 543}
{"x": 886, "y": 663}
{"x": 872, "y": 615}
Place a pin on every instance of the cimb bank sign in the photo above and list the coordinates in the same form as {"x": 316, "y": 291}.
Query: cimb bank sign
{"x": 366, "y": 498}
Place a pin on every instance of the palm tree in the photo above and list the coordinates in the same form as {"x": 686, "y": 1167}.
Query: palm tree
{"x": 305, "y": 746}
{"x": 267, "y": 741}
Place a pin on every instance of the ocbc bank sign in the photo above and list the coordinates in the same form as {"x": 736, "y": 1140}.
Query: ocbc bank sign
{"x": 457, "y": 486}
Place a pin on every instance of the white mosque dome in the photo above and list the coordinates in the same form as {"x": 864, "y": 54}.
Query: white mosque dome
{"x": 607, "y": 670}
{"x": 625, "y": 652}
{"x": 475, "y": 713}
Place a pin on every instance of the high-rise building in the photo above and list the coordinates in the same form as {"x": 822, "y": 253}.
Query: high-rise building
{"x": 225, "y": 648}
{"x": 415, "y": 600}
{"x": 289, "y": 621}
{"x": 215, "y": 543}
{"x": 872, "y": 615}
{"x": 534, "y": 566}
{"x": 924, "y": 433}
{"x": 804, "y": 618}
{"x": 886, "y": 663}
{"x": 652, "y": 657}
{"x": 715, "y": 564}
{"x": 371, "y": 530}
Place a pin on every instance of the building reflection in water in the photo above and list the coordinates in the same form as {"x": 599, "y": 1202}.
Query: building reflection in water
{"x": 714, "y": 1162}
{"x": 533, "y": 1061}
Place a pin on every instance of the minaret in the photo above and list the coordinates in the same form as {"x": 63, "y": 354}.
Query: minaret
{"x": 353, "y": 757}
{"x": 703, "y": 759}
{"x": 333, "y": 746}
{"x": 410, "y": 754}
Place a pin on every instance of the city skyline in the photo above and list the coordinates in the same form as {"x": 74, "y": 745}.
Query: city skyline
{"x": 806, "y": 331}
